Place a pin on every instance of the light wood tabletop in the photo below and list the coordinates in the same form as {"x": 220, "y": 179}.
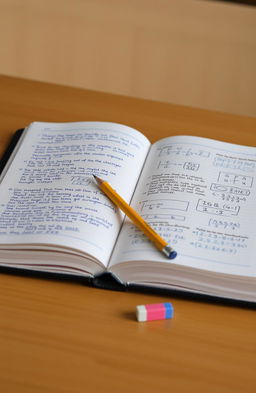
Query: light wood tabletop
{"x": 61, "y": 336}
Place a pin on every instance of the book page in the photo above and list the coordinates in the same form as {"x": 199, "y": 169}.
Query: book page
{"x": 49, "y": 196}
{"x": 200, "y": 196}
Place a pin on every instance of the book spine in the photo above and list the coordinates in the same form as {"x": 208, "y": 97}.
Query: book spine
{"x": 108, "y": 280}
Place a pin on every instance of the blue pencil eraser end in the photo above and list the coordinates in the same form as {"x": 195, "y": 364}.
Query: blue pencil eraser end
{"x": 172, "y": 255}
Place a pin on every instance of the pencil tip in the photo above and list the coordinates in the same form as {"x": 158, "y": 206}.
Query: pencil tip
{"x": 98, "y": 180}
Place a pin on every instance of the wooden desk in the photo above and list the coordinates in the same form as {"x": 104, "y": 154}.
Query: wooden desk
{"x": 65, "y": 337}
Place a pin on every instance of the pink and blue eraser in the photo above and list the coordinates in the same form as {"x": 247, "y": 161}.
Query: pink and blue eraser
{"x": 152, "y": 312}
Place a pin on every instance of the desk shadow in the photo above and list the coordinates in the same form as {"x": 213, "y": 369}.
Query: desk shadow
{"x": 129, "y": 315}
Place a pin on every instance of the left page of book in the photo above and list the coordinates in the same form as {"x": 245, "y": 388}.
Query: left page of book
{"x": 50, "y": 201}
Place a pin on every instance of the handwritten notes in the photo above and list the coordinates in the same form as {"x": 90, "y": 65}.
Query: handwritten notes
{"x": 50, "y": 195}
{"x": 200, "y": 195}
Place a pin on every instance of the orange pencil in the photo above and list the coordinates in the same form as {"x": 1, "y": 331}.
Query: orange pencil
{"x": 156, "y": 239}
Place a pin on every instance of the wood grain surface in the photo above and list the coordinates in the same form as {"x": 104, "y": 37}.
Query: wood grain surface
{"x": 60, "y": 336}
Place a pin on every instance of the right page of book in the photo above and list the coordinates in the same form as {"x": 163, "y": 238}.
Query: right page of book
{"x": 200, "y": 195}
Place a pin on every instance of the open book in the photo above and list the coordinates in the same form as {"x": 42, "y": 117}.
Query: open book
{"x": 198, "y": 194}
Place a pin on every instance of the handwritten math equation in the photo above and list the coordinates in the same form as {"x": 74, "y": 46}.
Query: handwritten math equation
{"x": 188, "y": 165}
{"x": 234, "y": 179}
{"x": 216, "y": 208}
{"x": 163, "y": 205}
{"x": 174, "y": 234}
{"x": 242, "y": 164}
{"x": 218, "y": 242}
{"x": 181, "y": 150}
{"x": 223, "y": 224}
